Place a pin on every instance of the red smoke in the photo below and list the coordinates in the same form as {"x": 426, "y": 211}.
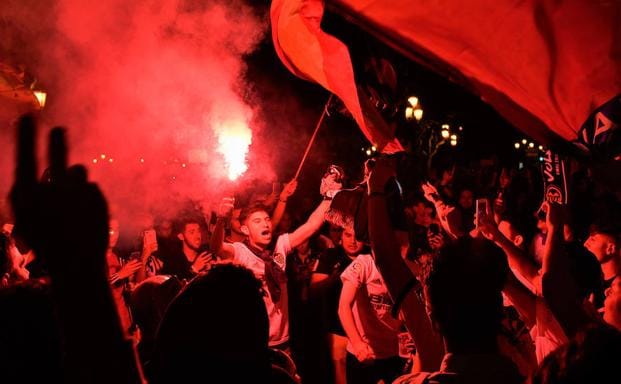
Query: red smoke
{"x": 147, "y": 83}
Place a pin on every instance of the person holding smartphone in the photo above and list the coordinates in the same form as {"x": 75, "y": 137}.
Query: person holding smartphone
{"x": 193, "y": 258}
{"x": 119, "y": 273}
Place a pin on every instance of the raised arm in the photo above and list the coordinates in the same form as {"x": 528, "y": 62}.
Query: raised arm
{"x": 450, "y": 218}
{"x": 518, "y": 260}
{"x": 65, "y": 222}
{"x": 397, "y": 276}
{"x": 312, "y": 225}
{"x": 328, "y": 188}
{"x": 522, "y": 299}
{"x": 219, "y": 247}
{"x": 287, "y": 191}
{"x": 560, "y": 290}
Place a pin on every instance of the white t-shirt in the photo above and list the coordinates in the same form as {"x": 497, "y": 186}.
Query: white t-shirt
{"x": 547, "y": 333}
{"x": 277, "y": 312}
{"x": 372, "y": 308}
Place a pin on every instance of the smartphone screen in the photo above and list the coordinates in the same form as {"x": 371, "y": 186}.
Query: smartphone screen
{"x": 481, "y": 208}
{"x": 150, "y": 237}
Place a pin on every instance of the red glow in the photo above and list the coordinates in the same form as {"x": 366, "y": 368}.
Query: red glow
{"x": 162, "y": 83}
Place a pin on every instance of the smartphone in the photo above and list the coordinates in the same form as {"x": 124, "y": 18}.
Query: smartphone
{"x": 481, "y": 208}
{"x": 150, "y": 237}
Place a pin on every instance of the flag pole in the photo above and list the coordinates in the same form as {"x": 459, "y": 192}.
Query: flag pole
{"x": 312, "y": 139}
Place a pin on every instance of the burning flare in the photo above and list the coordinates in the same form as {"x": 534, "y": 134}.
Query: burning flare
{"x": 234, "y": 138}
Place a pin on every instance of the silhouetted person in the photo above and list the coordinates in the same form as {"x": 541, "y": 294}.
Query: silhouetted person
{"x": 591, "y": 357}
{"x": 464, "y": 294}
{"x": 149, "y": 301}
{"x": 65, "y": 222}
{"x": 30, "y": 343}
{"x": 216, "y": 330}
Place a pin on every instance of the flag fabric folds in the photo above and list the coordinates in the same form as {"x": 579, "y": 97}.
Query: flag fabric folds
{"x": 311, "y": 54}
{"x": 545, "y": 65}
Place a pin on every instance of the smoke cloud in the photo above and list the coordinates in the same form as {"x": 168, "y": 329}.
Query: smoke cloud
{"x": 146, "y": 89}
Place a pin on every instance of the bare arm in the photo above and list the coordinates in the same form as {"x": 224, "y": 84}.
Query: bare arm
{"x": 518, "y": 260}
{"x": 450, "y": 218}
{"x": 320, "y": 282}
{"x": 559, "y": 288}
{"x": 279, "y": 211}
{"x": 346, "y": 301}
{"x": 397, "y": 275}
{"x": 522, "y": 299}
{"x": 317, "y": 278}
{"x": 312, "y": 225}
{"x": 362, "y": 350}
{"x": 287, "y": 191}
{"x": 218, "y": 246}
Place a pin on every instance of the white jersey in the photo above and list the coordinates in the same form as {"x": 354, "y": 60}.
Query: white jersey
{"x": 277, "y": 312}
{"x": 372, "y": 308}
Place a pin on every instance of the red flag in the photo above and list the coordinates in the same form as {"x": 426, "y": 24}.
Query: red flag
{"x": 314, "y": 55}
{"x": 546, "y": 65}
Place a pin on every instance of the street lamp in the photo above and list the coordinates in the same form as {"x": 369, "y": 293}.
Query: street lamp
{"x": 413, "y": 101}
{"x": 445, "y": 131}
{"x": 453, "y": 140}
{"x": 418, "y": 114}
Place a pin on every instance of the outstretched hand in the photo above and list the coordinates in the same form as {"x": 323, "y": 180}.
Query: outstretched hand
{"x": 556, "y": 214}
{"x": 329, "y": 186}
{"x": 288, "y": 190}
{"x": 226, "y": 207}
{"x": 484, "y": 221}
{"x": 430, "y": 192}
{"x": 63, "y": 219}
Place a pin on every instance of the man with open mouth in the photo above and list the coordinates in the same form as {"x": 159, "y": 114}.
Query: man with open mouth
{"x": 266, "y": 258}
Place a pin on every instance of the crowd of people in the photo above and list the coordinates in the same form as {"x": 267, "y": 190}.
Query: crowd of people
{"x": 385, "y": 280}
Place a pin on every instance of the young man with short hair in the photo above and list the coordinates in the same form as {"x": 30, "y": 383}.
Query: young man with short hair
{"x": 326, "y": 281}
{"x": 191, "y": 260}
{"x": 604, "y": 244}
{"x": 267, "y": 259}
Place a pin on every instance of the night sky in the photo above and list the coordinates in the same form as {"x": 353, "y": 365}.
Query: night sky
{"x": 484, "y": 133}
